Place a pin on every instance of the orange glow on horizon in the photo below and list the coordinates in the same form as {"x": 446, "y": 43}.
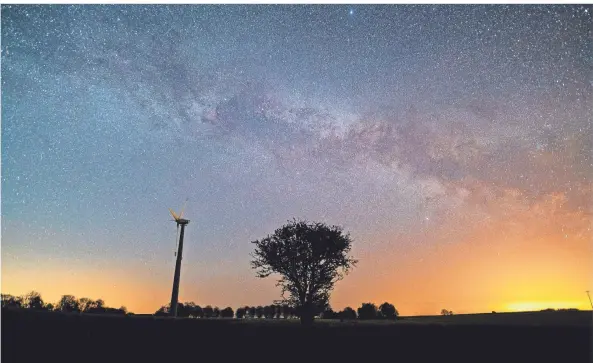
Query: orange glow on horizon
{"x": 533, "y": 259}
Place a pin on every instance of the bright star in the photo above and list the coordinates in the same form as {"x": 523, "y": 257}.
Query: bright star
{"x": 351, "y": 12}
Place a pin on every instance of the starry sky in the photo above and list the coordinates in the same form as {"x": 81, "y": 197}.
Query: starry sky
{"x": 452, "y": 142}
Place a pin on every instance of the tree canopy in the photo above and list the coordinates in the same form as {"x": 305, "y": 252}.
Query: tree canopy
{"x": 388, "y": 311}
{"x": 33, "y": 300}
{"x": 68, "y": 303}
{"x": 368, "y": 311}
{"x": 309, "y": 257}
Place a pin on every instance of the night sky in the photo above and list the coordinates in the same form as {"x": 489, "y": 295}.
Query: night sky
{"x": 452, "y": 142}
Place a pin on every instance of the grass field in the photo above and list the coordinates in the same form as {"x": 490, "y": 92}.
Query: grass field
{"x": 29, "y": 336}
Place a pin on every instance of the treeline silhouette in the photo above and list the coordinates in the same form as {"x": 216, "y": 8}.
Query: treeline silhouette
{"x": 70, "y": 304}
{"x": 67, "y": 303}
{"x": 367, "y": 311}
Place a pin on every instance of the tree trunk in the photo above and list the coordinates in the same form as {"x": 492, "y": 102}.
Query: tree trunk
{"x": 307, "y": 316}
{"x": 307, "y": 319}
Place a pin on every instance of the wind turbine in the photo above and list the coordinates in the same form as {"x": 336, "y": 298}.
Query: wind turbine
{"x": 180, "y": 222}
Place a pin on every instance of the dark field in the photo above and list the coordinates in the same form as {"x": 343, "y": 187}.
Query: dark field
{"x": 29, "y": 336}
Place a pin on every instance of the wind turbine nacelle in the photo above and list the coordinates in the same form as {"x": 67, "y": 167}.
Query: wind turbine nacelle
{"x": 182, "y": 221}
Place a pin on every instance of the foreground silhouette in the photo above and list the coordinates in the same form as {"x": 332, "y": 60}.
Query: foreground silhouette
{"x": 33, "y": 335}
{"x": 310, "y": 258}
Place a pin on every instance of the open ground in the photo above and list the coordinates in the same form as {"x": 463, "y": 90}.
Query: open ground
{"x": 30, "y": 336}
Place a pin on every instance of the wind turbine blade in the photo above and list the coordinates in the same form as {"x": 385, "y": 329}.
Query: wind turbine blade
{"x": 173, "y": 214}
{"x": 183, "y": 208}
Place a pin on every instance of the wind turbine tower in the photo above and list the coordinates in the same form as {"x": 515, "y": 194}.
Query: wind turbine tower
{"x": 175, "y": 294}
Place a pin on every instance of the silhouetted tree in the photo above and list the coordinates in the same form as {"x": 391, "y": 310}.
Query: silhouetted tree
{"x": 49, "y": 307}
{"x": 9, "y": 301}
{"x": 216, "y": 312}
{"x": 197, "y": 312}
{"x": 182, "y": 310}
{"x": 240, "y": 313}
{"x": 208, "y": 311}
{"x": 328, "y": 313}
{"x": 227, "y": 312}
{"x": 446, "y": 312}
{"x": 286, "y": 311}
{"x": 163, "y": 311}
{"x": 348, "y": 313}
{"x": 97, "y": 307}
{"x": 185, "y": 310}
{"x": 367, "y": 311}
{"x": 269, "y": 311}
{"x": 277, "y": 311}
{"x": 259, "y": 311}
{"x": 33, "y": 300}
{"x": 87, "y": 305}
{"x": 251, "y": 312}
{"x": 309, "y": 258}
{"x": 388, "y": 311}
{"x": 68, "y": 303}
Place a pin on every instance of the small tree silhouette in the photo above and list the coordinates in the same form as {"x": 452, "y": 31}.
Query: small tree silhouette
{"x": 227, "y": 312}
{"x": 183, "y": 310}
{"x": 251, "y": 312}
{"x": 277, "y": 311}
{"x": 216, "y": 312}
{"x": 328, "y": 313}
{"x": 208, "y": 311}
{"x": 446, "y": 312}
{"x": 388, "y": 311}
{"x": 68, "y": 303}
{"x": 86, "y": 305}
{"x": 163, "y": 311}
{"x": 240, "y": 313}
{"x": 367, "y": 311}
{"x": 269, "y": 312}
{"x": 259, "y": 311}
{"x": 33, "y": 300}
{"x": 286, "y": 311}
{"x": 197, "y": 312}
{"x": 9, "y": 301}
{"x": 348, "y": 313}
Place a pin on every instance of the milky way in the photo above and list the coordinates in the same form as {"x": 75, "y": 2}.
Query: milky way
{"x": 416, "y": 128}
